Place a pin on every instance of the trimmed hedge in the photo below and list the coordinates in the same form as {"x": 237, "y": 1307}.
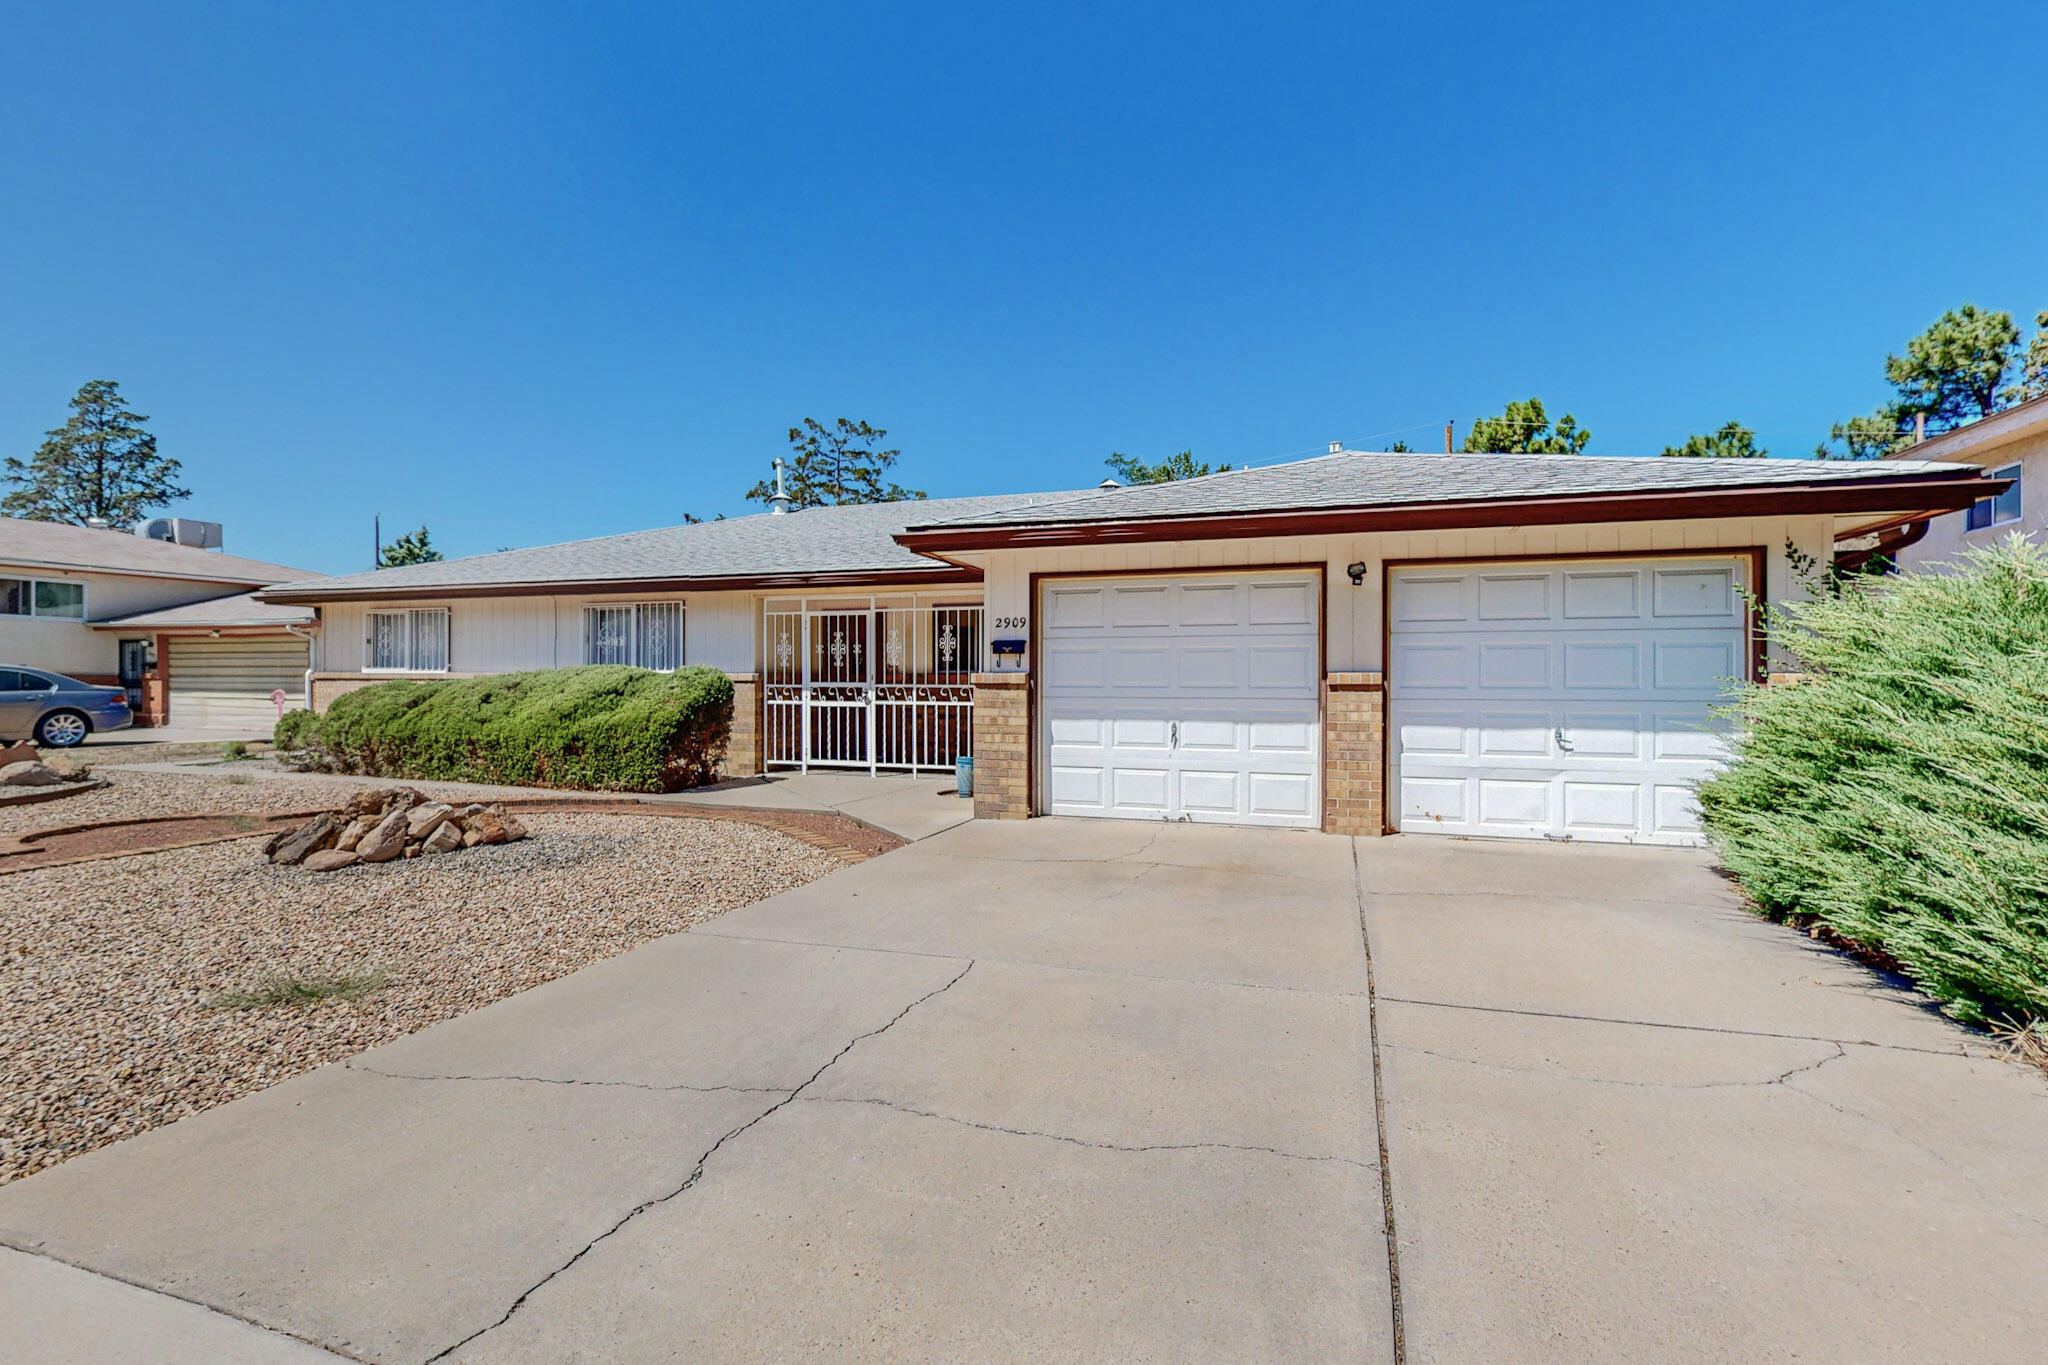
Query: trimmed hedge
{"x": 1899, "y": 794}
{"x": 603, "y": 727}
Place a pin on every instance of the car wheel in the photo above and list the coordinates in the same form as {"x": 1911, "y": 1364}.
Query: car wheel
{"x": 62, "y": 730}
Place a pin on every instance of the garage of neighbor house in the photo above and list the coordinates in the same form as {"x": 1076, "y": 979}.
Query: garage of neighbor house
{"x": 228, "y": 683}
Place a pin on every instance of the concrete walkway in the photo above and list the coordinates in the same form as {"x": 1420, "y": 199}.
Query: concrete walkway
{"x": 1093, "y": 1090}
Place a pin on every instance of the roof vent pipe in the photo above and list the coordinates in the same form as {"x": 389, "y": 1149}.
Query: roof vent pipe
{"x": 778, "y": 502}
{"x": 1336, "y": 447}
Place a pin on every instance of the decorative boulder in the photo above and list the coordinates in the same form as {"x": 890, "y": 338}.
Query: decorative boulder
{"x": 424, "y": 820}
{"x": 30, "y": 773}
{"x": 316, "y": 834}
{"x": 446, "y": 838}
{"x": 330, "y": 860}
{"x": 485, "y": 827}
{"x": 386, "y": 841}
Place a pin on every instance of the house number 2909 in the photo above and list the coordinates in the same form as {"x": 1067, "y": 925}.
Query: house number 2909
{"x": 1009, "y": 623}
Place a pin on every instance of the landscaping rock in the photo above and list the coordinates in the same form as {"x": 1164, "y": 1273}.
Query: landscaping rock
{"x": 424, "y": 819}
{"x": 330, "y": 860}
{"x": 353, "y": 834}
{"x": 386, "y": 841}
{"x": 446, "y": 838}
{"x": 316, "y": 834}
{"x": 21, "y": 751}
{"x": 513, "y": 829}
{"x": 485, "y": 827}
{"x": 30, "y": 773}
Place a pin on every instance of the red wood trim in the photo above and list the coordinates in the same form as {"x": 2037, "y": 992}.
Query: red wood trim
{"x": 1921, "y": 493}
{"x": 612, "y": 587}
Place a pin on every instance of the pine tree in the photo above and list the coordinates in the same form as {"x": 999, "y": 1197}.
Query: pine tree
{"x": 101, "y": 465}
{"x": 836, "y": 465}
{"x": 414, "y": 547}
{"x": 1524, "y": 429}
{"x": 1129, "y": 469}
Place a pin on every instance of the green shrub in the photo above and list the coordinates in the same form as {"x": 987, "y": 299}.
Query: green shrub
{"x": 1900, "y": 793}
{"x": 601, "y": 728}
{"x": 295, "y": 730}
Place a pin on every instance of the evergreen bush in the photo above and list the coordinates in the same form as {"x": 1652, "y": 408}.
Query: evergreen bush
{"x": 603, "y": 727}
{"x": 1899, "y": 793}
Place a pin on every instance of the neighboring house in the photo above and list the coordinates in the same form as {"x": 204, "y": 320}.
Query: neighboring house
{"x": 1463, "y": 644}
{"x": 173, "y": 624}
{"x": 2010, "y": 445}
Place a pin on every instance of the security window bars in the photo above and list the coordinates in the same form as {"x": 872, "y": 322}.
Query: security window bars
{"x": 47, "y": 598}
{"x": 642, "y": 634}
{"x": 2001, "y": 509}
{"x": 414, "y": 641}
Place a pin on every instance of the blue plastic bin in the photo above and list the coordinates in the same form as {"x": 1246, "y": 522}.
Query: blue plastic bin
{"x": 963, "y": 775}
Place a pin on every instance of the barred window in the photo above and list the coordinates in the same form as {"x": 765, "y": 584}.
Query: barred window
{"x": 641, "y": 634}
{"x": 414, "y": 641}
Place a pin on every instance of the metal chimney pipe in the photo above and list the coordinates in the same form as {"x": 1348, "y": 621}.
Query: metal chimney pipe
{"x": 778, "y": 502}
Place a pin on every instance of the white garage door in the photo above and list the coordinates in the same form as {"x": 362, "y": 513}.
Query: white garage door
{"x": 1569, "y": 700}
{"x": 1192, "y": 696}
{"x": 226, "y": 683}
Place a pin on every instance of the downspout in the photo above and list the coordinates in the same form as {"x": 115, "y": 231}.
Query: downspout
{"x": 307, "y": 636}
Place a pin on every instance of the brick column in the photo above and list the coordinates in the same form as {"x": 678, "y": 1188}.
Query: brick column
{"x": 1002, "y": 746}
{"x": 1354, "y": 754}
{"x": 743, "y": 753}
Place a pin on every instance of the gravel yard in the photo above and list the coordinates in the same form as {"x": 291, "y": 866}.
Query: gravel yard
{"x": 137, "y": 795}
{"x": 107, "y": 968}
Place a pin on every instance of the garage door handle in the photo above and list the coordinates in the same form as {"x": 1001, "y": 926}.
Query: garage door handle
{"x": 1173, "y": 734}
{"x": 1563, "y": 745}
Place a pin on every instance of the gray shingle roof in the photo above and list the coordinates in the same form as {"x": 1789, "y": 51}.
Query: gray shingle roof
{"x": 854, "y": 539}
{"x": 53, "y": 544}
{"x": 241, "y": 609}
{"x": 1355, "y": 479}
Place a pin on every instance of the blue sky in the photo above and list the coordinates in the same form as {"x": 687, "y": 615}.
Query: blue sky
{"x": 526, "y": 273}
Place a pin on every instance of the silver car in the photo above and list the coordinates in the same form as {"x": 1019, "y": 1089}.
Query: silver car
{"x": 55, "y": 711}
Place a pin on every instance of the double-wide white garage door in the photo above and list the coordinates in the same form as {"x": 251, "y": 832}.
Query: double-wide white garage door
{"x": 1189, "y": 697}
{"x": 226, "y": 683}
{"x": 1568, "y": 700}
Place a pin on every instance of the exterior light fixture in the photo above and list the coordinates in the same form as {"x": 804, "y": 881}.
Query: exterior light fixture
{"x": 1357, "y": 572}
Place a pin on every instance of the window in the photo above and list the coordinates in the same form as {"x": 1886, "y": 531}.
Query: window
{"x": 20, "y": 680}
{"x": 54, "y": 600}
{"x": 413, "y": 641}
{"x": 956, "y": 639}
{"x": 642, "y": 634}
{"x": 2001, "y": 509}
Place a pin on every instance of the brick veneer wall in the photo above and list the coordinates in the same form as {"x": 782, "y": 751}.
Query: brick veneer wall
{"x": 1002, "y": 746}
{"x": 743, "y": 752}
{"x": 1354, "y": 754}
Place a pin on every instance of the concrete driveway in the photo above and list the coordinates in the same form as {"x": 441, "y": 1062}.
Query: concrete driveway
{"x": 1085, "y": 1090}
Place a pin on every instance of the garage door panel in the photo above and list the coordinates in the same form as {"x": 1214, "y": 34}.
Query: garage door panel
{"x": 1285, "y": 796}
{"x": 1521, "y": 665}
{"x": 1514, "y": 597}
{"x": 1606, "y": 594}
{"x": 1589, "y": 721}
{"x": 1696, "y": 593}
{"x": 1508, "y": 804}
{"x": 1703, "y": 666}
{"x": 1073, "y": 609}
{"x": 1075, "y": 665}
{"x": 1213, "y": 715}
{"x": 1282, "y": 604}
{"x": 1513, "y": 735}
{"x": 1140, "y": 789}
{"x": 227, "y": 682}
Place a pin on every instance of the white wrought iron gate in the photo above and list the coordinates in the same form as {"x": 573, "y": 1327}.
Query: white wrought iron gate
{"x": 868, "y": 684}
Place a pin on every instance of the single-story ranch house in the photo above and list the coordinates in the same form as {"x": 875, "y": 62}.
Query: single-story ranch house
{"x": 1462, "y": 644}
{"x": 174, "y": 624}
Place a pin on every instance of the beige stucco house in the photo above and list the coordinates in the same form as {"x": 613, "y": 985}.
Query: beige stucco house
{"x": 174, "y": 624}
{"x": 1523, "y": 646}
{"x": 2010, "y": 445}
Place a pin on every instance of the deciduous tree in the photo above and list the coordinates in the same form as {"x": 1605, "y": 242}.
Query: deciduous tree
{"x": 835, "y": 465}
{"x": 102, "y": 465}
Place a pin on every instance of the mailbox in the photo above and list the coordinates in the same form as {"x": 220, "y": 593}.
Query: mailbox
{"x": 1008, "y": 653}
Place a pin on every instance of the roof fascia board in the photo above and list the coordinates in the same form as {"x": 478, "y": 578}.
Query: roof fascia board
{"x": 1920, "y": 493}
{"x": 1987, "y": 433}
{"x": 603, "y": 587}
